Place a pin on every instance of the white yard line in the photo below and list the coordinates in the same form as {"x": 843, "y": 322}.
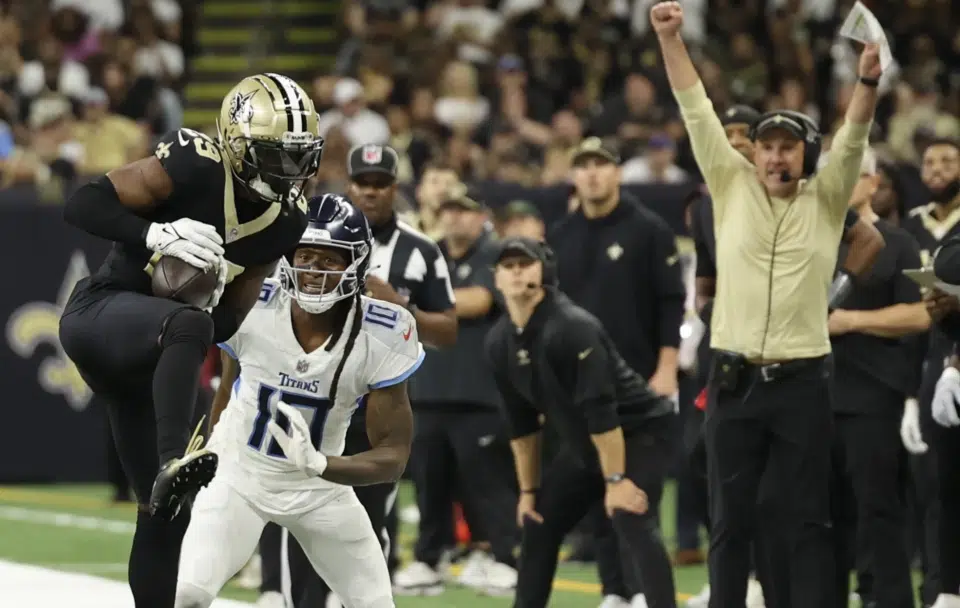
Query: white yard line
{"x": 22, "y": 585}
{"x": 66, "y": 520}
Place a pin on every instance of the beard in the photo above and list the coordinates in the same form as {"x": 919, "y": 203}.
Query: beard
{"x": 947, "y": 193}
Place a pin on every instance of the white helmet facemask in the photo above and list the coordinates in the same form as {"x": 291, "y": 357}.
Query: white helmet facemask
{"x": 316, "y": 291}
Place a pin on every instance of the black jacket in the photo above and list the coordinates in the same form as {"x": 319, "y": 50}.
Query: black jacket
{"x": 565, "y": 366}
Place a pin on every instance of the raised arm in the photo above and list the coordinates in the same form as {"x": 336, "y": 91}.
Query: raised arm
{"x": 717, "y": 159}
{"x": 836, "y": 179}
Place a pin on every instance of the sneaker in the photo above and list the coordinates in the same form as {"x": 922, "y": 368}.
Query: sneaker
{"x": 700, "y": 600}
{"x": 271, "y": 599}
{"x": 474, "y": 572}
{"x": 638, "y": 601}
{"x": 614, "y": 601}
{"x": 180, "y": 478}
{"x": 417, "y": 579}
{"x": 500, "y": 579}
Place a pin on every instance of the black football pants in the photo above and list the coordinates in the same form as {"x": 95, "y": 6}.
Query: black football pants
{"x": 868, "y": 497}
{"x": 924, "y": 488}
{"x": 463, "y": 454}
{"x": 780, "y": 428}
{"x": 568, "y": 491}
{"x": 945, "y": 443}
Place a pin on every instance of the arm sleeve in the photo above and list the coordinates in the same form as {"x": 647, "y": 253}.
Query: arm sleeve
{"x": 522, "y": 418}
{"x": 584, "y": 348}
{"x": 835, "y": 181}
{"x": 717, "y": 159}
{"x": 668, "y": 285}
{"x": 400, "y": 352}
{"x": 435, "y": 293}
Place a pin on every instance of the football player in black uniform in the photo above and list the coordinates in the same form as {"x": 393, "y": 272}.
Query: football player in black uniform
{"x": 233, "y": 203}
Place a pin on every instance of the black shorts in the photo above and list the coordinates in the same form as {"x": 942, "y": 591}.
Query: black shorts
{"x": 113, "y": 337}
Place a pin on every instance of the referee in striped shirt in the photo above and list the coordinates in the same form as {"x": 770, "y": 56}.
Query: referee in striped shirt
{"x": 778, "y": 227}
{"x": 406, "y": 268}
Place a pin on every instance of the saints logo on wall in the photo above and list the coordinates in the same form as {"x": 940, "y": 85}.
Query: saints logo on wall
{"x": 34, "y": 328}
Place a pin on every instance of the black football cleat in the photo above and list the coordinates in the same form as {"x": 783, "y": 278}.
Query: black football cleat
{"x": 179, "y": 479}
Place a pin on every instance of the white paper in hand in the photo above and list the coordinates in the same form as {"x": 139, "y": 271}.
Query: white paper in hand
{"x": 861, "y": 25}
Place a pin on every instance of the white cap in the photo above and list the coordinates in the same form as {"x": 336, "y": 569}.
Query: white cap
{"x": 346, "y": 90}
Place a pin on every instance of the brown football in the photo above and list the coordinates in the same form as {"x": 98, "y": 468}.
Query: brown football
{"x": 175, "y": 279}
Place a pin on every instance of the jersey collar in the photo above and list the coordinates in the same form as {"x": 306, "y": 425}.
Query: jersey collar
{"x": 384, "y": 231}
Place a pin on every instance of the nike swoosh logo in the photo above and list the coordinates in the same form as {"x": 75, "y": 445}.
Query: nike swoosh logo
{"x": 406, "y": 334}
{"x": 181, "y": 138}
{"x": 584, "y": 354}
{"x": 672, "y": 259}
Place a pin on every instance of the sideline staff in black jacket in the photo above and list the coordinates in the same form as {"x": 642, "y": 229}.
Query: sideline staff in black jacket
{"x": 551, "y": 357}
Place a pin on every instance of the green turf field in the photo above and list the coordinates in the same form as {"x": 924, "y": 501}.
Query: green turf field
{"x": 76, "y": 528}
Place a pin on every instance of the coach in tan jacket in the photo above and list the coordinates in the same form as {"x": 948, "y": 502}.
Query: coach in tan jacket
{"x": 778, "y": 225}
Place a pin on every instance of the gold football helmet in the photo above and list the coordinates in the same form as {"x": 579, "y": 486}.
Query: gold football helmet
{"x": 269, "y": 130}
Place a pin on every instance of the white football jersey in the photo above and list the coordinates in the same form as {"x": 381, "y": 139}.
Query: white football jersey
{"x": 274, "y": 367}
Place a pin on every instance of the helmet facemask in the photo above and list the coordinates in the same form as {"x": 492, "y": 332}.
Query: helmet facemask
{"x": 316, "y": 290}
{"x": 276, "y": 171}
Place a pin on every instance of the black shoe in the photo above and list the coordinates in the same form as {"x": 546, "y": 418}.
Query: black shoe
{"x": 178, "y": 479}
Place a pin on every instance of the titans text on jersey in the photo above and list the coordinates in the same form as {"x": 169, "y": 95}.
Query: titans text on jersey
{"x": 273, "y": 368}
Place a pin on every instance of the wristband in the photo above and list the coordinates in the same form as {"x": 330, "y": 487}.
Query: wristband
{"x": 615, "y": 478}
{"x": 870, "y": 82}
{"x": 530, "y": 491}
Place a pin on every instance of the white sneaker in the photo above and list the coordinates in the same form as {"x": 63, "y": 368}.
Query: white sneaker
{"x": 700, "y": 600}
{"x": 755, "y": 594}
{"x": 473, "y": 574}
{"x": 614, "y": 601}
{"x": 250, "y": 576}
{"x": 271, "y": 599}
{"x": 947, "y": 600}
{"x": 638, "y": 601}
{"x": 500, "y": 579}
{"x": 417, "y": 579}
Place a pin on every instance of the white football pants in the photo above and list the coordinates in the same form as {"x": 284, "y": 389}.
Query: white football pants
{"x": 331, "y": 526}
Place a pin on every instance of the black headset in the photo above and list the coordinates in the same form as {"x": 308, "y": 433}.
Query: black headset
{"x": 549, "y": 261}
{"x": 812, "y": 139}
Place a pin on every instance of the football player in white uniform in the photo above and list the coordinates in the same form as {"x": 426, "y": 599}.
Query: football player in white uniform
{"x": 310, "y": 353}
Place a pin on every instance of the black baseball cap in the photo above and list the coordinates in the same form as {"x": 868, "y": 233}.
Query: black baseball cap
{"x": 519, "y": 208}
{"x": 523, "y": 246}
{"x": 594, "y": 146}
{"x": 372, "y": 158}
{"x": 740, "y": 115}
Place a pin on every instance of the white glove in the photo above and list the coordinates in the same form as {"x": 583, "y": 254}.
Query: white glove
{"x": 222, "y": 268}
{"x": 297, "y": 444}
{"x": 910, "y": 428}
{"x": 945, "y": 398}
{"x": 194, "y": 242}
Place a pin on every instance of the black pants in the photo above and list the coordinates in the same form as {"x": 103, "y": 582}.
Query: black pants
{"x": 568, "y": 491}
{"x": 142, "y": 356}
{"x": 945, "y": 443}
{"x": 924, "y": 486}
{"x": 463, "y": 453}
{"x": 781, "y": 428}
{"x": 869, "y": 512}
{"x": 307, "y": 588}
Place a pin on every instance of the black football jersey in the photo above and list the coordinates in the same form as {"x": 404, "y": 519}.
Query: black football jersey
{"x": 929, "y": 231}
{"x": 254, "y": 231}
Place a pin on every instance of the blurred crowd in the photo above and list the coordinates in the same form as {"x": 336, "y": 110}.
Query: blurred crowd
{"x": 503, "y": 91}
{"x": 84, "y": 85}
